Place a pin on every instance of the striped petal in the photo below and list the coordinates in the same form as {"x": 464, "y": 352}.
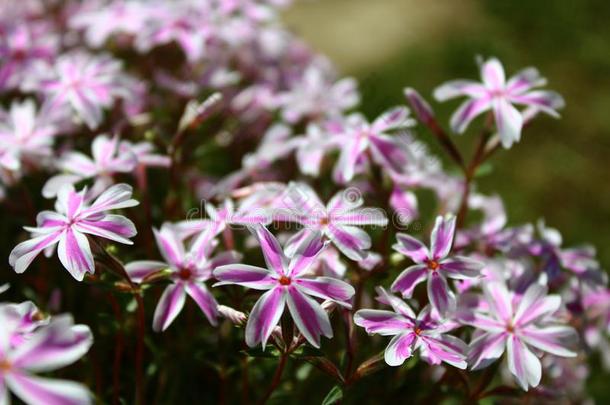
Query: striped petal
{"x": 205, "y": 300}
{"x": 38, "y": 390}
{"x": 410, "y": 278}
{"x": 523, "y": 364}
{"x": 265, "y": 315}
{"x": 138, "y": 271}
{"x": 442, "y": 236}
{"x": 381, "y": 322}
{"x": 272, "y": 251}
{"x": 169, "y": 306}
{"x": 309, "y": 317}
{"x": 24, "y": 253}
{"x": 411, "y": 247}
{"x": 399, "y": 349}
{"x": 114, "y": 227}
{"x": 327, "y": 288}
{"x": 441, "y": 297}
{"x": 508, "y": 122}
{"x": 486, "y": 349}
{"x": 351, "y": 241}
{"x": 245, "y": 275}
{"x": 75, "y": 254}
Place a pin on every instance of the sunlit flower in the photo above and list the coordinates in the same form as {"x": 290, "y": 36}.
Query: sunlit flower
{"x": 517, "y": 324}
{"x": 69, "y": 225}
{"x": 189, "y": 270}
{"x": 497, "y": 94}
{"x": 47, "y": 348}
{"x": 435, "y": 265}
{"x": 412, "y": 332}
{"x": 287, "y": 284}
{"x": 339, "y": 220}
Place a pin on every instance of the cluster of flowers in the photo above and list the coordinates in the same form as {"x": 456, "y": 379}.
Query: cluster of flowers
{"x": 491, "y": 288}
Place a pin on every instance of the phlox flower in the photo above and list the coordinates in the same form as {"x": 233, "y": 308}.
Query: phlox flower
{"x": 314, "y": 95}
{"x": 109, "y": 157}
{"x": 288, "y": 284}
{"x": 144, "y": 153}
{"x": 362, "y": 141}
{"x": 189, "y": 269}
{"x": 25, "y": 136}
{"x": 435, "y": 265}
{"x": 68, "y": 226}
{"x": 339, "y": 220}
{"x": 46, "y": 348}
{"x": 86, "y": 83}
{"x": 497, "y": 94}
{"x": 20, "y": 48}
{"x": 411, "y": 333}
{"x": 518, "y": 324}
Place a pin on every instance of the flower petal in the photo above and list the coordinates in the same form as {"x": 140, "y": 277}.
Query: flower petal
{"x": 272, "y": 251}
{"x": 468, "y": 111}
{"x": 141, "y": 269}
{"x": 406, "y": 281}
{"x": 551, "y": 339}
{"x": 442, "y": 236}
{"x": 114, "y": 227}
{"x": 499, "y": 301}
{"x": 116, "y": 197}
{"x": 523, "y": 364}
{"x": 485, "y": 349}
{"x": 169, "y": 306}
{"x": 399, "y": 349}
{"x": 509, "y": 122}
{"x": 24, "y": 253}
{"x": 306, "y": 253}
{"x": 205, "y": 300}
{"x": 492, "y": 74}
{"x": 170, "y": 245}
{"x": 461, "y": 267}
{"x": 265, "y": 315}
{"x": 381, "y": 322}
{"x": 390, "y": 152}
{"x": 351, "y": 241}
{"x": 411, "y": 247}
{"x": 441, "y": 297}
{"x": 447, "y": 348}
{"x": 457, "y": 88}
{"x": 535, "y": 304}
{"x": 327, "y": 288}
{"x": 397, "y": 117}
{"x": 309, "y": 317}
{"x": 245, "y": 275}
{"x": 37, "y": 390}
{"x": 75, "y": 254}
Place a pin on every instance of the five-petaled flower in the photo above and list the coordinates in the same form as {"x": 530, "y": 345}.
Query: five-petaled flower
{"x": 434, "y": 264}
{"x": 339, "y": 220}
{"x": 68, "y": 225}
{"x": 289, "y": 284}
{"x": 499, "y": 95}
{"x": 189, "y": 270}
{"x": 46, "y": 348}
{"x": 412, "y": 332}
{"x": 516, "y": 324}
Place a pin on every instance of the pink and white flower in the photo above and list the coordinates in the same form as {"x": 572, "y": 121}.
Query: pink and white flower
{"x": 339, "y": 220}
{"x": 46, "y": 348}
{"x": 412, "y": 332}
{"x": 109, "y": 157}
{"x": 435, "y": 265}
{"x": 519, "y": 324}
{"x": 287, "y": 284}
{"x": 497, "y": 94}
{"x": 188, "y": 271}
{"x": 68, "y": 226}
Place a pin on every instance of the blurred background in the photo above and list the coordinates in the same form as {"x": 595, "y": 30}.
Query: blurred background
{"x": 560, "y": 171}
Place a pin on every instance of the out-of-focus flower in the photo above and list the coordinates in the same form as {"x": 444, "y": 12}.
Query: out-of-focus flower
{"x": 435, "y": 265}
{"x": 288, "y": 285}
{"x": 190, "y": 269}
{"x": 109, "y": 158}
{"x": 20, "y": 48}
{"x": 338, "y": 221}
{"x": 499, "y": 95}
{"x": 144, "y": 153}
{"x": 47, "y": 348}
{"x": 117, "y": 17}
{"x": 314, "y": 96}
{"x": 361, "y": 142}
{"x": 25, "y": 136}
{"x": 68, "y": 225}
{"x": 412, "y": 332}
{"x": 517, "y": 324}
{"x": 84, "y": 82}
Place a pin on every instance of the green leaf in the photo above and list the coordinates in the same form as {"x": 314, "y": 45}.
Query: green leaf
{"x": 334, "y": 396}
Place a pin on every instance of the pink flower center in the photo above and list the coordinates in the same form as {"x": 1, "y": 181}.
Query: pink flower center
{"x": 285, "y": 280}
{"x": 497, "y": 93}
{"x": 433, "y": 265}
